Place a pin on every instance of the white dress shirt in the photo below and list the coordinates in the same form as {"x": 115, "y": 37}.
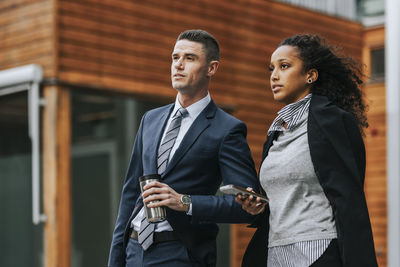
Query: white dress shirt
{"x": 194, "y": 110}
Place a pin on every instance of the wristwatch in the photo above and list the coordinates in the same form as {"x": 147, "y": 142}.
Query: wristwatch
{"x": 186, "y": 200}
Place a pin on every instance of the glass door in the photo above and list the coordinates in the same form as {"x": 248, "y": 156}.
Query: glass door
{"x": 103, "y": 130}
{"x": 21, "y": 242}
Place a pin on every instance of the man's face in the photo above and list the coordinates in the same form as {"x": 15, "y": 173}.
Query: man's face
{"x": 189, "y": 67}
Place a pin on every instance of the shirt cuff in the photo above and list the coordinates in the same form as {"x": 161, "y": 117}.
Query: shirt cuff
{"x": 190, "y": 210}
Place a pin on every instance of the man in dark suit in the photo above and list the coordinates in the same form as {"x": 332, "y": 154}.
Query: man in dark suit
{"x": 193, "y": 145}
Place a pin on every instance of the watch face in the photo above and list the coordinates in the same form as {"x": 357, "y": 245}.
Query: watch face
{"x": 186, "y": 200}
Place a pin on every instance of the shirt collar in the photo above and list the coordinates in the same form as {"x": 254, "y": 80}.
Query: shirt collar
{"x": 194, "y": 109}
{"x": 290, "y": 114}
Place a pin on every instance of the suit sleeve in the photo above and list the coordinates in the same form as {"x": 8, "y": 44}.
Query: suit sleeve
{"x": 236, "y": 167}
{"x": 130, "y": 193}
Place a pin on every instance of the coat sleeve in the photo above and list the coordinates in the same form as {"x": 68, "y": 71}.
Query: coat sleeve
{"x": 334, "y": 137}
{"x": 341, "y": 129}
{"x": 357, "y": 144}
{"x": 130, "y": 194}
{"x": 236, "y": 167}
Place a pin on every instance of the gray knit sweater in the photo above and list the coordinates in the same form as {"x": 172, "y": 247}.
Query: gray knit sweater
{"x": 299, "y": 208}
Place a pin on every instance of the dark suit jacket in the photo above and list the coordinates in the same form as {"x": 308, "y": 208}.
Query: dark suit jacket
{"x": 213, "y": 150}
{"x": 338, "y": 155}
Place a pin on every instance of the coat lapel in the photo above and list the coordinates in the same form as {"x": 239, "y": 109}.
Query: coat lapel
{"x": 198, "y": 126}
{"x": 158, "y": 131}
{"x": 268, "y": 143}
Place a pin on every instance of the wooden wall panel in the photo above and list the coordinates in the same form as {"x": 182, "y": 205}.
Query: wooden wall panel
{"x": 125, "y": 46}
{"x": 27, "y": 34}
{"x": 56, "y": 177}
{"x": 375, "y": 141}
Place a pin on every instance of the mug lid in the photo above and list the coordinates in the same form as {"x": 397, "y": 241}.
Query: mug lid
{"x": 149, "y": 176}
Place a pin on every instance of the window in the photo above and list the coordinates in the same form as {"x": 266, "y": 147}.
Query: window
{"x": 370, "y": 7}
{"x": 377, "y": 65}
{"x": 103, "y": 131}
{"x": 21, "y": 238}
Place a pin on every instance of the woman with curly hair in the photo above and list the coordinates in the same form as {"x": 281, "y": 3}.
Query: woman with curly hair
{"x": 313, "y": 166}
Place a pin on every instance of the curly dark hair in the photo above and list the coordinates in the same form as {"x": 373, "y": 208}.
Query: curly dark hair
{"x": 339, "y": 76}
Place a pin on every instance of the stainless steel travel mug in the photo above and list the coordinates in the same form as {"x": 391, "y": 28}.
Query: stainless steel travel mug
{"x": 153, "y": 215}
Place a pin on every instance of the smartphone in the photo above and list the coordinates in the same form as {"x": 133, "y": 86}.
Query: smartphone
{"x": 235, "y": 189}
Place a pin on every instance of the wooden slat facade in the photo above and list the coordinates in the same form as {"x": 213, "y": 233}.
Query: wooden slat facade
{"x": 27, "y": 34}
{"x": 125, "y": 47}
{"x": 375, "y": 142}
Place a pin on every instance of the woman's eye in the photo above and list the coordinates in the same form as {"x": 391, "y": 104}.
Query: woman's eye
{"x": 271, "y": 69}
{"x": 284, "y": 66}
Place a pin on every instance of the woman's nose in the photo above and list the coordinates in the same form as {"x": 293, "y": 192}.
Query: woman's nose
{"x": 274, "y": 76}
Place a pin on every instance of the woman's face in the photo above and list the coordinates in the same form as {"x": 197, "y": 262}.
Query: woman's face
{"x": 288, "y": 80}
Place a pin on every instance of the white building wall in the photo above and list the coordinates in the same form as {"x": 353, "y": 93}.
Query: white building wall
{"x": 341, "y": 8}
{"x": 392, "y": 59}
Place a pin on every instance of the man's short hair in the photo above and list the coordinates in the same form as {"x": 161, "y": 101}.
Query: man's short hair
{"x": 210, "y": 44}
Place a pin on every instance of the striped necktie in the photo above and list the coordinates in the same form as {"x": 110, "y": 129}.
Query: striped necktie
{"x": 169, "y": 140}
{"x": 146, "y": 232}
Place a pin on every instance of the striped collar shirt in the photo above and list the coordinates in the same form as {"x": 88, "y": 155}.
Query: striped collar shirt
{"x": 290, "y": 114}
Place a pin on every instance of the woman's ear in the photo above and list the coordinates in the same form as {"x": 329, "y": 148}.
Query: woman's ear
{"x": 312, "y": 76}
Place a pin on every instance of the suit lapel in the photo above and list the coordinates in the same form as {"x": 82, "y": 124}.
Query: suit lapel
{"x": 158, "y": 131}
{"x": 198, "y": 126}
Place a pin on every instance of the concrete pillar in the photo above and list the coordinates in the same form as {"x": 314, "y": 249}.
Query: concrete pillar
{"x": 392, "y": 58}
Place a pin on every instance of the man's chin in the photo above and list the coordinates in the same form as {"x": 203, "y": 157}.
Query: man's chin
{"x": 179, "y": 88}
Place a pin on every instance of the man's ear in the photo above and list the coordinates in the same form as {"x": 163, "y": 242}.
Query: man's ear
{"x": 212, "y": 67}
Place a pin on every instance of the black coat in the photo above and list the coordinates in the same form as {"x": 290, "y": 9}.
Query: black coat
{"x": 338, "y": 155}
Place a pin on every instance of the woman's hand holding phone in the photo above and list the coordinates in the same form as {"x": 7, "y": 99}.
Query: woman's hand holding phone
{"x": 250, "y": 204}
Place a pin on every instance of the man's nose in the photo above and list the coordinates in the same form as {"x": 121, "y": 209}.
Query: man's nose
{"x": 178, "y": 64}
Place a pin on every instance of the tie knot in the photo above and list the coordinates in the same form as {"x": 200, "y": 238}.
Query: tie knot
{"x": 181, "y": 112}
